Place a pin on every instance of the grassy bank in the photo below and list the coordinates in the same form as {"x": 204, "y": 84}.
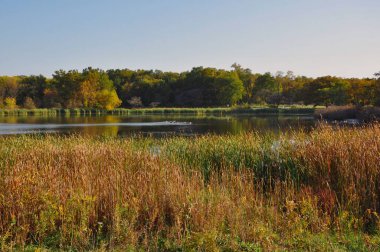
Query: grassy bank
{"x": 297, "y": 191}
{"x": 366, "y": 114}
{"x": 147, "y": 111}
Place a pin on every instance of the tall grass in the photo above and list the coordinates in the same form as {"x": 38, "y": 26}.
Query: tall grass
{"x": 297, "y": 191}
{"x": 365, "y": 114}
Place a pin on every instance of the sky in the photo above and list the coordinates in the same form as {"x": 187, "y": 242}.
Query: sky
{"x": 312, "y": 38}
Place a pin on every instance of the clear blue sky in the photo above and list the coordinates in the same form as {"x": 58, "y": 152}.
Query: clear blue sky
{"x": 314, "y": 38}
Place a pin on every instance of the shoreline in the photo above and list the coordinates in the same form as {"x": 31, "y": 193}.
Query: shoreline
{"x": 284, "y": 110}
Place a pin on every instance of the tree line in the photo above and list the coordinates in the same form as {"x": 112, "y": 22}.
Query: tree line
{"x": 200, "y": 87}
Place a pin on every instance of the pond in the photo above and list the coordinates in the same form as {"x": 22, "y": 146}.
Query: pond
{"x": 156, "y": 125}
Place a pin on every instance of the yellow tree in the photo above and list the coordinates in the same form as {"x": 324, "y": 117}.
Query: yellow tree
{"x": 88, "y": 94}
{"x": 107, "y": 99}
{"x": 98, "y": 91}
{"x": 10, "y": 103}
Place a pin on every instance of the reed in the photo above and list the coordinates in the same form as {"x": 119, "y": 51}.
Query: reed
{"x": 364, "y": 114}
{"x": 314, "y": 190}
{"x": 152, "y": 111}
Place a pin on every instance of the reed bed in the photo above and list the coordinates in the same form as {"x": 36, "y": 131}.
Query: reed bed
{"x": 316, "y": 191}
{"x": 152, "y": 111}
{"x": 339, "y": 113}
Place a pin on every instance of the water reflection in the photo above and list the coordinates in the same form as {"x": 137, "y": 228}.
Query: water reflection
{"x": 156, "y": 125}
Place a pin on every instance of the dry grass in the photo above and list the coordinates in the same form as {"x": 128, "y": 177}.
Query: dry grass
{"x": 304, "y": 191}
{"x": 364, "y": 114}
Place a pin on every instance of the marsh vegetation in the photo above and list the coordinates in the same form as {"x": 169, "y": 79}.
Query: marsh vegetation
{"x": 315, "y": 190}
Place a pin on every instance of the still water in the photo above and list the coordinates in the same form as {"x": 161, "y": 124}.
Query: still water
{"x": 156, "y": 125}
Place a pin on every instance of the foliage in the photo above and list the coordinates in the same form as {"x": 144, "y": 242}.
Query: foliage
{"x": 8, "y": 87}
{"x": 229, "y": 89}
{"x": 67, "y": 88}
{"x": 10, "y": 103}
{"x": 135, "y": 102}
{"x": 200, "y": 87}
{"x": 107, "y": 99}
{"x": 327, "y": 90}
{"x": 29, "y": 103}
{"x": 209, "y": 87}
{"x": 32, "y": 87}
{"x": 248, "y": 79}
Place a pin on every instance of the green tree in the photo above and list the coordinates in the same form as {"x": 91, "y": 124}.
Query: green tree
{"x": 67, "y": 85}
{"x": 291, "y": 87}
{"x": 229, "y": 88}
{"x": 265, "y": 87}
{"x": 248, "y": 79}
{"x": 32, "y": 87}
{"x": 120, "y": 77}
{"x": 361, "y": 91}
{"x": 95, "y": 88}
{"x": 326, "y": 90}
{"x": 208, "y": 87}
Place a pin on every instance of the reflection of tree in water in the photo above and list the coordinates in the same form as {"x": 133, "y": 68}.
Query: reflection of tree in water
{"x": 110, "y": 131}
{"x": 273, "y": 124}
{"x": 248, "y": 124}
{"x": 277, "y": 124}
{"x": 94, "y": 119}
{"x": 10, "y": 119}
{"x": 201, "y": 124}
{"x": 64, "y": 119}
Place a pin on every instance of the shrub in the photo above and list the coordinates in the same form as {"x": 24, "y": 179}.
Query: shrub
{"x": 29, "y": 103}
